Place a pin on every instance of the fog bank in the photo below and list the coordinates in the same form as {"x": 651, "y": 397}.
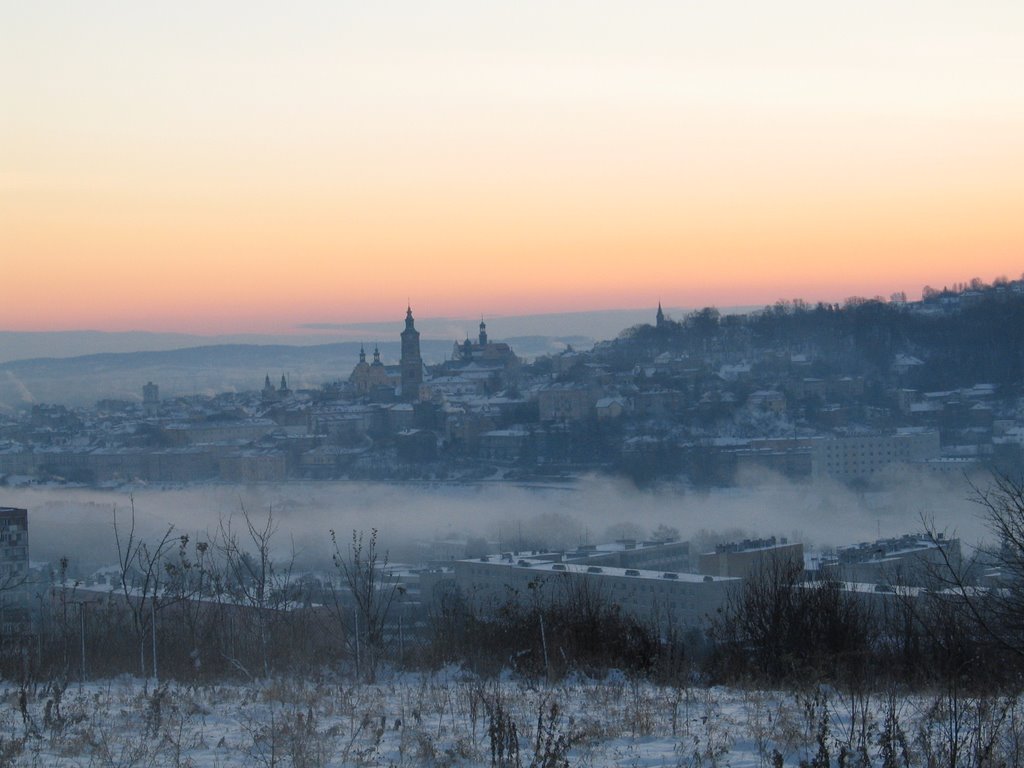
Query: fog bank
{"x": 78, "y": 522}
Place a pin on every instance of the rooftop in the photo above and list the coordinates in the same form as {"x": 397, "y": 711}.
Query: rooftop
{"x": 752, "y": 545}
{"x": 539, "y": 564}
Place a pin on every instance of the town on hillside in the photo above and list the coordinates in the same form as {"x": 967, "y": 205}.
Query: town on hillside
{"x": 852, "y": 392}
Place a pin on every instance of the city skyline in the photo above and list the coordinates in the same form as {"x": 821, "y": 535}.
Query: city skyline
{"x": 239, "y": 168}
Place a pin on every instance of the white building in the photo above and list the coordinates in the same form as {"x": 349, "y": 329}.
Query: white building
{"x": 859, "y": 456}
{"x": 667, "y": 599}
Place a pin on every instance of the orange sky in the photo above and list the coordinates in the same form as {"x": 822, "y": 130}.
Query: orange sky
{"x": 247, "y": 168}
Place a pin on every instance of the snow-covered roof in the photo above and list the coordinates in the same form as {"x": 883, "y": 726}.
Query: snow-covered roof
{"x": 547, "y": 566}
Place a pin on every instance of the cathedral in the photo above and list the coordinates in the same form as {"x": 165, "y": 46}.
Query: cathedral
{"x": 368, "y": 377}
{"x": 379, "y": 381}
{"x": 480, "y": 359}
{"x": 270, "y": 394}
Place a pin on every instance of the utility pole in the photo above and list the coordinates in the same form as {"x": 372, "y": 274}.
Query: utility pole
{"x": 355, "y": 625}
{"x": 152, "y": 613}
{"x": 81, "y": 622}
{"x": 544, "y": 646}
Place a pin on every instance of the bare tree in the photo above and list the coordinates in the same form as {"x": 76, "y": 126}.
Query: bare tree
{"x": 190, "y": 579}
{"x": 1003, "y": 505}
{"x": 252, "y": 576}
{"x": 997, "y": 607}
{"x": 372, "y": 589}
{"x": 140, "y": 571}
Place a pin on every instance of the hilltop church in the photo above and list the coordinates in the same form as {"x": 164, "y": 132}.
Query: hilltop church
{"x": 367, "y": 378}
{"x": 484, "y": 351}
{"x": 482, "y": 358}
{"x": 380, "y": 381}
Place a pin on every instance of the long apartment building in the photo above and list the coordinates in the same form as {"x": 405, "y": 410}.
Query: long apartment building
{"x": 742, "y": 559}
{"x": 916, "y": 560}
{"x": 859, "y": 456}
{"x": 667, "y": 599}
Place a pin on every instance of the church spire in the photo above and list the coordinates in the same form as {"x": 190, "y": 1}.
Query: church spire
{"x": 411, "y": 363}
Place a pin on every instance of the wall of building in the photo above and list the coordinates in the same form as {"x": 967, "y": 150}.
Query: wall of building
{"x": 684, "y": 601}
{"x": 14, "y": 590}
{"x": 739, "y": 562}
{"x": 860, "y": 456}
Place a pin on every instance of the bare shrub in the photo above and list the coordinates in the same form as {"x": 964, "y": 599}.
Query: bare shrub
{"x": 709, "y": 740}
{"x": 893, "y": 743}
{"x": 777, "y": 628}
{"x": 553, "y": 739}
{"x": 502, "y": 733}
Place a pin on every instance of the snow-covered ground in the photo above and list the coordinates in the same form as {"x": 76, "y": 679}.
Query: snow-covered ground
{"x": 452, "y": 718}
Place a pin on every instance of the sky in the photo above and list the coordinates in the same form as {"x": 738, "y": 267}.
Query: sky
{"x": 224, "y": 167}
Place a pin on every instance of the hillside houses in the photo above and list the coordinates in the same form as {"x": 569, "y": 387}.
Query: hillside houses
{"x": 700, "y": 400}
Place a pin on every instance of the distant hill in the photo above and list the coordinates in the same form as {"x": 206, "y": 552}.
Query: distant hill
{"x": 84, "y": 379}
{"x": 526, "y": 330}
{"x": 81, "y": 367}
{"x": 25, "y": 345}
{"x": 195, "y": 370}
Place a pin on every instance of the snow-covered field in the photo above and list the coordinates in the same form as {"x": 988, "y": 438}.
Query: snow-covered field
{"x": 452, "y": 718}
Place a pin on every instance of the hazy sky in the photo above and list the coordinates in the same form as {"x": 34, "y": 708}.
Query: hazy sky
{"x": 228, "y": 166}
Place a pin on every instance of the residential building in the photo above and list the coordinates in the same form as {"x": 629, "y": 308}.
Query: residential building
{"x": 859, "y": 456}
{"x": 14, "y": 593}
{"x": 908, "y": 560}
{"x": 665, "y": 599}
{"x": 741, "y": 559}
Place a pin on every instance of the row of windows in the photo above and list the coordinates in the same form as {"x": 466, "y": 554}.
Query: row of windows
{"x": 861, "y": 452}
{"x": 634, "y": 601}
{"x": 648, "y": 585}
{"x": 620, "y": 589}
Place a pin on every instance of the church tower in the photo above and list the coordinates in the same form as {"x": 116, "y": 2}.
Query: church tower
{"x": 660, "y": 317}
{"x": 412, "y": 363}
{"x": 483, "y": 333}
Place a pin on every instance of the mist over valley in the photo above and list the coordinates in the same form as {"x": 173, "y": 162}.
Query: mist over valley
{"x": 77, "y": 522}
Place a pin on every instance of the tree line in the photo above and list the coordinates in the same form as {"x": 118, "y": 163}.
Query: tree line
{"x": 983, "y": 340}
